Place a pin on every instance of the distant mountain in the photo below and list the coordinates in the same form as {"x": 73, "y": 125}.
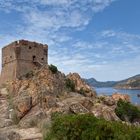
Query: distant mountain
{"x": 130, "y": 83}
{"x": 93, "y": 82}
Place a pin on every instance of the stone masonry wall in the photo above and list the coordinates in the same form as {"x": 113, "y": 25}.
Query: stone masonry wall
{"x": 18, "y": 58}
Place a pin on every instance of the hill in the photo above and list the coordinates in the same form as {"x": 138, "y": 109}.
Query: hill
{"x": 94, "y": 83}
{"x": 129, "y": 83}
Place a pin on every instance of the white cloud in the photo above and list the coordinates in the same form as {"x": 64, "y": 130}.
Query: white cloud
{"x": 52, "y": 21}
{"x": 101, "y": 70}
{"x": 42, "y": 20}
{"x": 123, "y": 42}
{"x": 120, "y": 35}
{"x": 99, "y": 5}
{"x": 56, "y": 19}
{"x": 61, "y": 13}
{"x": 118, "y": 70}
{"x": 55, "y": 2}
{"x": 108, "y": 33}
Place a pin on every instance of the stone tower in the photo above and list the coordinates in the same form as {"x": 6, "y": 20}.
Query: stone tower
{"x": 21, "y": 57}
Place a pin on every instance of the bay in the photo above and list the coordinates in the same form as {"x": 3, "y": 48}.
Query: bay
{"x": 109, "y": 91}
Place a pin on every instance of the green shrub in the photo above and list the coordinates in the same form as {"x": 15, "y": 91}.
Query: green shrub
{"x": 44, "y": 126}
{"x": 53, "y": 69}
{"x": 87, "y": 127}
{"x": 126, "y": 111}
{"x": 102, "y": 98}
{"x": 70, "y": 85}
{"x": 56, "y": 115}
{"x": 82, "y": 91}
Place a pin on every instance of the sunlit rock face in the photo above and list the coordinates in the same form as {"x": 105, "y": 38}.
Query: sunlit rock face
{"x": 80, "y": 85}
{"x": 118, "y": 96}
{"x": 37, "y": 96}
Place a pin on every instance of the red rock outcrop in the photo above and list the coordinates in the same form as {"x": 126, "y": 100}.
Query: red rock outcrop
{"x": 117, "y": 96}
{"x": 81, "y": 86}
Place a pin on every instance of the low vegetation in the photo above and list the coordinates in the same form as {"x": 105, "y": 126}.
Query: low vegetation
{"x": 87, "y": 127}
{"x": 127, "y": 112}
{"x": 53, "y": 69}
{"x": 70, "y": 84}
{"x": 82, "y": 91}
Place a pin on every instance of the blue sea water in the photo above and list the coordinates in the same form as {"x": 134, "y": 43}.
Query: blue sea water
{"x": 109, "y": 91}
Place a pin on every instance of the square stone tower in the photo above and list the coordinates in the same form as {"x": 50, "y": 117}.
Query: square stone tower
{"x": 21, "y": 57}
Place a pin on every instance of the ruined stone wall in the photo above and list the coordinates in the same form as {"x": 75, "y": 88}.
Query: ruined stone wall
{"x": 18, "y": 58}
{"x": 24, "y": 67}
{"x": 8, "y": 54}
{"x": 28, "y": 50}
{"x": 9, "y": 63}
{"x": 8, "y": 72}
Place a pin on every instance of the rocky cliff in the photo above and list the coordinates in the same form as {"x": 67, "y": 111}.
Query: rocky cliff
{"x": 28, "y": 103}
{"x": 80, "y": 85}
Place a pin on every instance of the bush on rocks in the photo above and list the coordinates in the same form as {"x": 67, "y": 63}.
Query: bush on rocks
{"x": 53, "y": 69}
{"x": 70, "y": 85}
{"x": 87, "y": 127}
{"x": 127, "y": 112}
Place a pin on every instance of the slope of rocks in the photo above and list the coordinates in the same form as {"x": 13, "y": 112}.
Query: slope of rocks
{"x": 26, "y": 103}
{"x": 80, "y": 85}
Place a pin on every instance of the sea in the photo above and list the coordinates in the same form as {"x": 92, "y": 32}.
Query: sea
{"x": 109, "y": 91}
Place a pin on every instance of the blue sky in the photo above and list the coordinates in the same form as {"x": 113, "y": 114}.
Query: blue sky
{"x": 96, "y": 38}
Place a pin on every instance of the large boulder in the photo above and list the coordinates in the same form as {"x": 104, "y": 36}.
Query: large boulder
{"x": 87, "y": 103}
{"x": 9, "y": 135}
{"x": 107, "y": 100}
{"x": 103, "y": 111}
{"x": 33, "y": 118}
{"x": 118, "y": 96}
{"x": 78, "y": 109}
{"x": 4, "y": 92}
{"x": 5, "y": 122}
{"x": 22, "y": 105}
{"x": 50, "y": 101}
{"x": 81, "y": 86}
{"x": 43, "y": 82}
{"x": 21, "y": 134}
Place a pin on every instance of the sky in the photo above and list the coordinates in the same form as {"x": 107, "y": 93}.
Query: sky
{"x": 95, "y": 38}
